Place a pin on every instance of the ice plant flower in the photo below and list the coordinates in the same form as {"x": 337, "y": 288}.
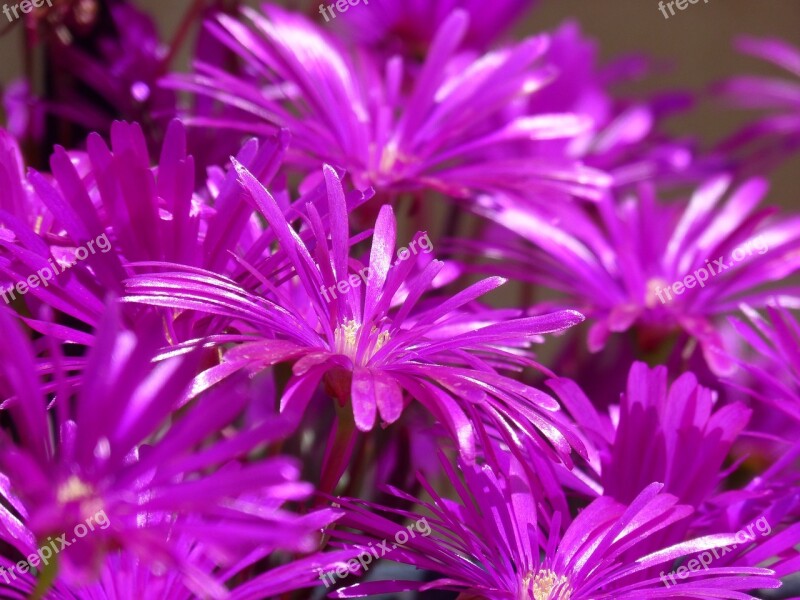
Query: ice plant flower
{"x": 771, "y": 358}
{"x": 18, "y": 201}
{"x": 112, "y": 450}
{"x": 101, "y": 63}
{"x": 226, "y": 376}
{"x": 765, "y": 349}
{"x": 125, "y": 576}
{"x": 657, "y": 267}
{"x": 143, "y": 214}
{"x": 774, "y": 137}
{"x": 627, "y": 140}
{"x": 495, "y": 543}
{"x": 447, "y": 129}
{"x": 372, "y": 356}
{"x": 652, "y": 433}
{"x": 676, "y": 434}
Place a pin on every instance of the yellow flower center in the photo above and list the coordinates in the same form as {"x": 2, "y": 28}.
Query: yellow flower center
{"x": 652, "y": 297}
{"x": 74, "y": 489}
{"x": 546, "y": 586}
{"x": 348, "y": 337}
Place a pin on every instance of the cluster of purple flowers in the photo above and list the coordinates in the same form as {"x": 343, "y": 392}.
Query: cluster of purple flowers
{"x": 254, "y": 391}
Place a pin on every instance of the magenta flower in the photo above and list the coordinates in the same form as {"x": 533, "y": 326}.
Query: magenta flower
{"x": 765, "y": 349}
{"x": 448, "y": 129}
{"x": 378, "y": 344}
{"x": 108, "y": 213}
{"x": 102, "y": 63}
{"x": 495, "y": 543}
{"x": 112, "y": 456}
{"x": 654, "y": 266}
{"x": 226, "y": 375}
{"x": 772, "y": 359}
{"x": 774, "y": 137}
{"x": 676, "y": 434}
{"x": 626, "y": 140}
{"x": 652, "y": 433}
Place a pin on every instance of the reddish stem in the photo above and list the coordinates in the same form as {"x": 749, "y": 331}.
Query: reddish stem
{"x": 193, "y": 14}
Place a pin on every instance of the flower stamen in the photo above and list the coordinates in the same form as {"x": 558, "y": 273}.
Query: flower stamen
{"x": 546, "y": 585}
{"x": 348, "y": 337}
{"x": 74, "y": 489}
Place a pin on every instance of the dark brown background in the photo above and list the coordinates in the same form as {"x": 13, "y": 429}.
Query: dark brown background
{"x": 697, "y": 41}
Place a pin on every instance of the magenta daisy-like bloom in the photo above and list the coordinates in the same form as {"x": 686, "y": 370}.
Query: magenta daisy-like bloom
{"x": 495, "y": 543}
{"x": 655, "y": 266}
{"x": 626, "y": 141}
{"x": 410, "y": 27}
{"x": 770, "y": 139}
{"x": 111, "y": 464}
{"x": 103, "y": 60}
{"x": 104, "y": 214}
{"x": 674, "y": 434}
{"x": 653, "y": 434}
{"x": 767, "y": 351}
{"x": 774, "y": 366}
{"x": 445, "y": 127}
{"x": 18, "y": 201}
{"x": 361, "y": 330}
{"x": 125, "y": 576}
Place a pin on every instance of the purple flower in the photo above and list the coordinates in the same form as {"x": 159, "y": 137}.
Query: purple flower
{"x": 626, "y": 140}
{"x": 496, "y": 543}
{"x": 676, "y": 434}
{"x": 103, "y": 62}
{"x": 107, "y": 213}
{"x": 125, "y": 576}
{"x": 770, "y": 139}
{"x": 379, "y": 344}
{"x": 773, "y": 360}
{"x": 108, "y": 453}
{"x": 447, "y": 127}
{"x": 655, "y": 266}
{"x": 766, "y": 350}
{"x": 18, "y": 200}
{"x": 673, "y": 433}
